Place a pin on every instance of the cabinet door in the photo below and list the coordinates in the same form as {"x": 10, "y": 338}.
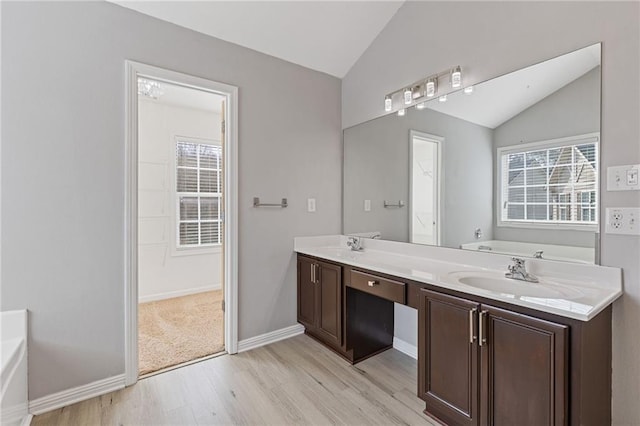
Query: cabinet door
{"x": 306, "y": 292}
{"x": 524, "y": 369}
{"x": 448, "y": 358}
{"x": 329, "y": 303}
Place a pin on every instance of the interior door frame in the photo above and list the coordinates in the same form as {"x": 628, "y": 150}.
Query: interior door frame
{"x": 133, "y": 70}
{"x": 439, "y": 141}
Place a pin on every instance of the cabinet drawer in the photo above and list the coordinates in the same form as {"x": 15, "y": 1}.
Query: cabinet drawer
{"x": 378, "y": 286}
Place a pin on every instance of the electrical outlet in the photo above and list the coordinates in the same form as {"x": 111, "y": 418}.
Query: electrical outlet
{"x": 311, "y": 205}
{"x": 623, "y": 178}
{"x": 623, "y": 220}
{"x": 367, "y": 205}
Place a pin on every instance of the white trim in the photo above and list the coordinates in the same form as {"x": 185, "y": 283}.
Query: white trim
{"x": 405, "y": 347}
{"x": 272, "y": 337}
{"x": 77, "y": 394}
{"x": 178, "y": 293}
{"x": 132, "y": 71}
{"x": 16, "y": 413}
{"x": 546, "y": 144}
{"x": 439, "y": 141}
{"x": 26, "y": 420}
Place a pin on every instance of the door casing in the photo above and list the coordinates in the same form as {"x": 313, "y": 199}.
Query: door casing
{"x": 133, "y": 70}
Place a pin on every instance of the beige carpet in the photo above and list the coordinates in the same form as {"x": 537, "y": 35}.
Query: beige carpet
{"x": 173, "y": 331}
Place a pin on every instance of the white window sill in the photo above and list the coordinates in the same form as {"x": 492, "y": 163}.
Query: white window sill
{"x": 194, "y": 251}
{"x": 549, "y": 226}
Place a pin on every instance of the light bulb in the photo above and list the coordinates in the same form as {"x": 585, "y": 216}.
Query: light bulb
{"x": 421, "y": 105}
{"x": 401, "y": 112}
{"x": 408, "y": 96}
{"x": 430, "y": 88}
{"x": 388, "y": 103}
{"x": 468, "y": 90}
{"x": 443, "y": 98}
{"x": 456, "y": 77}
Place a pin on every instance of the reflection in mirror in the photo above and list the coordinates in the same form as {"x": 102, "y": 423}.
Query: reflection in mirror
{"x": 508, "y": 166}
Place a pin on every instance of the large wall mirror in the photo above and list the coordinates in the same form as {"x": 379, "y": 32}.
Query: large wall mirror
{"x": 510, "y": 166}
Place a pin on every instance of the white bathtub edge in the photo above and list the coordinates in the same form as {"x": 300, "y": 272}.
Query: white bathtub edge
{"x": 77, "y": 394}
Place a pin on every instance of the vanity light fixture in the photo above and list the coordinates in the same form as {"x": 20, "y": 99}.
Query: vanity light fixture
{"x": 388, "y": 103}
{"x": 468, "y": 90}
{"x": 431, "y": 87}
{"x": 443, "y": 98}
{"x": 408, "y": 96}
{"x": 401, "y": 112}
{"x": 424, "y": 89}
{"x": 456, "y": 77}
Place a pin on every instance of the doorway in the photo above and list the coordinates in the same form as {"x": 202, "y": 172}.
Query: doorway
{"x": 426, "y": 168}
{"x": 181, "y": 262}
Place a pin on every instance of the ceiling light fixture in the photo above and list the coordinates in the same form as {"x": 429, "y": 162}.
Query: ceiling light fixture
{"x": 149, "y": 88}
{"x": 456, "y": 77}
{"x": 388, "y": 103}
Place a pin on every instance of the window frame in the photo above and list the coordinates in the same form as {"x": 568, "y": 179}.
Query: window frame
{"x": 176, "y": 248}
{"x": 547, "y": 144}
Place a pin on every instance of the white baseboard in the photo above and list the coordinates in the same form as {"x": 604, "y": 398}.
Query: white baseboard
{"x": 405, "y": 348}
{"x": 77, "y": 394}
{"x": 26, "y": 420}
{"x": 272, "y": 337}
{"x": 178, "y": 293}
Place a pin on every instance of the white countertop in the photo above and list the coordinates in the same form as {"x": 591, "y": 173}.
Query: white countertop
{"x": 570, "y": 290}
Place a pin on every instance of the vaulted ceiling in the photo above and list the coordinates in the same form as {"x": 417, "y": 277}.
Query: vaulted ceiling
{"x": 327, "y": 36}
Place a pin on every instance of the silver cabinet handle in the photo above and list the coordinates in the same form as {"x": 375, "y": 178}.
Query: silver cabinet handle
{"x": 472, "y": 334}
{"x": 372, "y": 283}
{"x": 482, "y": 339}
{"x": 313, "y": 273}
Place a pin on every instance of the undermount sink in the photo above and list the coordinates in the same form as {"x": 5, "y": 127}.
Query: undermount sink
{"x": 493, "y": 282}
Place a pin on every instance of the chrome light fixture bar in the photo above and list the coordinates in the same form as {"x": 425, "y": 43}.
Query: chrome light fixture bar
{"x": 422, "y": 90}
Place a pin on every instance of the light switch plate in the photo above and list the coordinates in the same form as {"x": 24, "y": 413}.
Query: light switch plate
{"x": 367, "y": 205}
{"x": 623, "y": 178}
{"x": 311, "y": 205}
{"x": 623, "y": 220}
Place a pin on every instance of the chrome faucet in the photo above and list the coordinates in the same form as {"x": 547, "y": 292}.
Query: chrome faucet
{"x": 355, "y": 243}
{"x": 518, "y": 271}
{"x": 538, "y": 254}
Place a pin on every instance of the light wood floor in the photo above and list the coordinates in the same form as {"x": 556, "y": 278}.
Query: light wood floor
{"x": 292, "y": 382}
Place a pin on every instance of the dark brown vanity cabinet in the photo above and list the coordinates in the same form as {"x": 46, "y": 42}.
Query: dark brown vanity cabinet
{"x": 480, "y": 361}
{"x": 320, "y": 299}
{"x": 483, "y": 365}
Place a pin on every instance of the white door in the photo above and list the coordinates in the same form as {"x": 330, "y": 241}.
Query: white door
{"x": 425, "y": 188}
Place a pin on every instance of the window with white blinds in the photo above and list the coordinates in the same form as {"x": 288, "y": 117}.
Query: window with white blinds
{"x": 552, "y": 182}
{"x": 198, "y": 194}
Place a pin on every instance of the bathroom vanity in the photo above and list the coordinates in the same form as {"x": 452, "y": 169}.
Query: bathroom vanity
{"x": 491, "y": 350}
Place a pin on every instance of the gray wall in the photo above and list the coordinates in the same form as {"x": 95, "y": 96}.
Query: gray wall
{"x": 377, "y": 167}
{"x": 63, "y": 174}
{"x": 572, "y": 110}
{"x": 492, "y": 38}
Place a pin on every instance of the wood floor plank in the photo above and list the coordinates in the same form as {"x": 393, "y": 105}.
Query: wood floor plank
{"x": 293, "y": 382}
